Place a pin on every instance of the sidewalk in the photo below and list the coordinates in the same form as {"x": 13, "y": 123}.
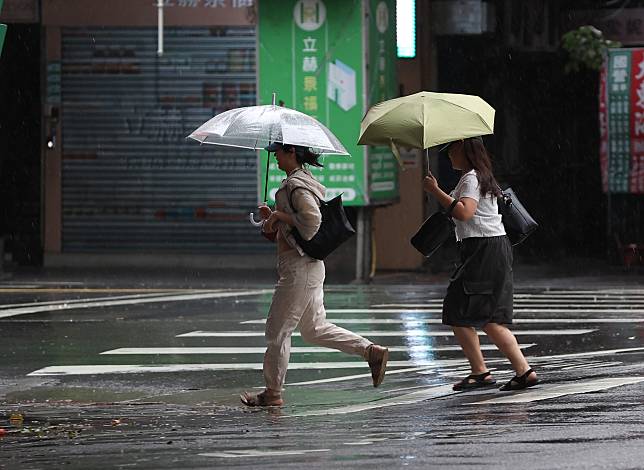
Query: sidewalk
{"x": 567, "y": 274}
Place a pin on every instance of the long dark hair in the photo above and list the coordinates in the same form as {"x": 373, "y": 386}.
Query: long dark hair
{"x": 479, "y": 159}
{"x": 304, "y": 155}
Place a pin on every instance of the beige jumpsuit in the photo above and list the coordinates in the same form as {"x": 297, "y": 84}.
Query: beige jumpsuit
{"x": 298, "y": 300}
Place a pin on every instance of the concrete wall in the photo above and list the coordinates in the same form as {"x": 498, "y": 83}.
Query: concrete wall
{"x": 394, "y": 225}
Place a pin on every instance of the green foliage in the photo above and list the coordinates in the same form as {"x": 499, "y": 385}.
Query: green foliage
{"x": 586, "y": 47}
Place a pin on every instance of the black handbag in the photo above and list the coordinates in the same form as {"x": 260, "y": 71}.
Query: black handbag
{"x": 334, "y": 230}
{"x": 518, "y": 223}
{"x": 435, "y": 231}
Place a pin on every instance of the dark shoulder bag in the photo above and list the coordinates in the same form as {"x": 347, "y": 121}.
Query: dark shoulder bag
{"x": 435, "y": 231}
{"x": 334, "y": 230}
{"x": 518, "y": 223}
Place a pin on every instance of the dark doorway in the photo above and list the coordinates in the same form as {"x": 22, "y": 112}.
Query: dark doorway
{"x": 546, "y": 142}
{"x": 20, "y": 136}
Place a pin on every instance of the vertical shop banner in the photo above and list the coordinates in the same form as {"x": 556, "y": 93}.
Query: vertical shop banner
{"x": 637, "y": 122}
{"x": 382, "y": 85}
{"x": 619, "y": 71}
{"x": 310, "y": 54}
{"x": 622, "y": 121}
{"x": 603, "y": 126}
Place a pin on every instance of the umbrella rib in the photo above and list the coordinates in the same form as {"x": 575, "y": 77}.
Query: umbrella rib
{"x": 458, "y": 105}
{"x": 266, "y": 123}
{"x": 464, "y": 108}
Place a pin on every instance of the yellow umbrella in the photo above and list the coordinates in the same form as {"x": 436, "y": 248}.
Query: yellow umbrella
{"x": 425, "y": 119}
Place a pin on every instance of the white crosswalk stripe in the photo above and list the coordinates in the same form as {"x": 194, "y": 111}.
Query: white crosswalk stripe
{"x": 126, "y": 300}
{"x": 294, "y": 350}
{"x": 156, "y": 368}
{"x": 377, "y": 333}
{"x": 521, "y": 310}
{"x": 438, "y": 321}
{"x": 555, "y": 391}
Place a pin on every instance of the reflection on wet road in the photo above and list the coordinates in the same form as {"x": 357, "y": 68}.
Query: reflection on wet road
{"x": 162, "y": 369}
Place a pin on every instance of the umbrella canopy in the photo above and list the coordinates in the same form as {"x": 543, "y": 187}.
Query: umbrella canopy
{"x": 254, "y": 127}
{"x": 425, "y": 119}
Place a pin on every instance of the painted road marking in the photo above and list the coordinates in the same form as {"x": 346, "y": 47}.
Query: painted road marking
{"x": 97, "y": 369}
{"x": 600, "y": 352}
{"x": 541, "y": 303}
{"x": 358, "y": 376}
{"x": 535, "y": 298}
{"x": 592, "y": 365}
{"x": 142, "y": 368}
{"x": 517, "y": 310}
{"x": 555, "y": 391}
{"x": 520, "y": 300}
{"x": 234, "y": 454}
{"x": 294, "y": 350}
{"x": 76, "y": 301}
{"x": 518, "y": 305}
{"x": 409, "y": 333}
{"x": 560, "y": 360}
{"x": 406, "y": 399}
{"x": 81, "y": 290}
{"x": 446, "y": 390}
{"x": 110, "y": 303}
{"x": 438, "y": 321}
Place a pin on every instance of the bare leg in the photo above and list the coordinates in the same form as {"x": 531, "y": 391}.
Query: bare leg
{"x": 469, "y": 341}
{"x": 503, "y": 338}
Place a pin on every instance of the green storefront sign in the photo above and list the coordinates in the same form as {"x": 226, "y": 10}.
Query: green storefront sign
{"x": 312, "y": 54}
{"x": 382, "y": 83}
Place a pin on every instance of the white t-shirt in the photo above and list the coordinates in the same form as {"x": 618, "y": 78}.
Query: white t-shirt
{"x": 487, "y": 220}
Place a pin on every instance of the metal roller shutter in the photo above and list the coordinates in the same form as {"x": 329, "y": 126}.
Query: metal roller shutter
{"x": 131, "y": 181}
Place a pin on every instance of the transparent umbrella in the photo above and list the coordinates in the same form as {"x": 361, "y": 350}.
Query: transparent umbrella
{"x": 254, "y": 127}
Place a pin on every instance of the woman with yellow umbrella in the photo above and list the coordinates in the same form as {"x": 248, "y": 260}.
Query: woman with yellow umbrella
{"x": 480, "y": 293}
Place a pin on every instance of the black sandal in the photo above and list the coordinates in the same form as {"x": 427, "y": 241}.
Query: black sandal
{"x": 520, "y": 382}
{"x": 478, "y": 382}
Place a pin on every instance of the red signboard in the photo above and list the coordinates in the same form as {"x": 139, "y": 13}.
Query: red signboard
{"x": 637, "y": 122}
{"x": 621, "y": 121}
{"x": 603, "y": 127}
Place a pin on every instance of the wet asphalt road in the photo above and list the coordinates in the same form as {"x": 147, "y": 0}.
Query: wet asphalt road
{"x": 118, "y": 377}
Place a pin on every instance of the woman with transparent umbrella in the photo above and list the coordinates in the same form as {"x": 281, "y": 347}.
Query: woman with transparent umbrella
{"x": 298, "y": 301}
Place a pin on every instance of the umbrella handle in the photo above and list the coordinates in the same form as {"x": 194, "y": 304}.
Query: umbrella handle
{"x": 251, "y": 217}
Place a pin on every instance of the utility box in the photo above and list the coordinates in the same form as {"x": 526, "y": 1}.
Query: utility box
{"x": 332, "y": 59}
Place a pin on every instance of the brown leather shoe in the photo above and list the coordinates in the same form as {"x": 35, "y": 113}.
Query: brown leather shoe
{"x": 377, "y": 357}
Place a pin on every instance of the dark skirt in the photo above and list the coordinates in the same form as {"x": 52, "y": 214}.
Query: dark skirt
{"x": 481, "y": 288}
